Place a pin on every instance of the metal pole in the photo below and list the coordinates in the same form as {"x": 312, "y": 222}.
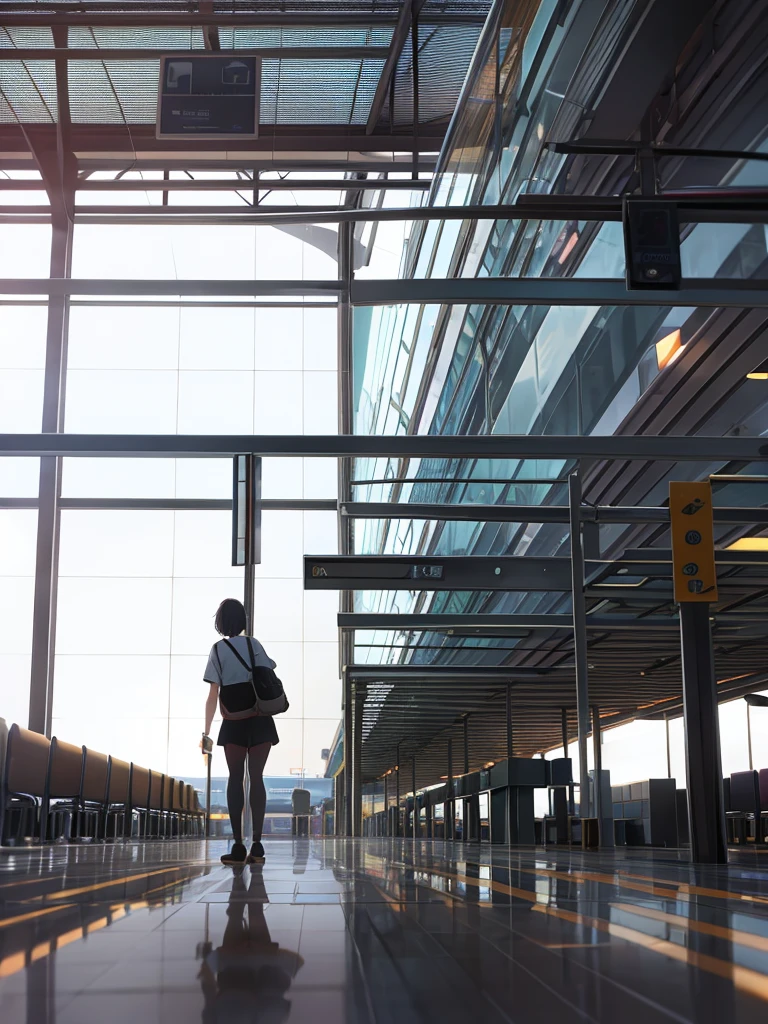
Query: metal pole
{"x": 415, "y": 70}
{"x": 346, "y": 686}
{"x": 579, "y": 638}
{"x": 415, "y": 807}
{"x": 397, "y": 792}
{"x": 509, "y": 721}
{"x": 357, "y": 764}
{"x": 49, "y": 518}
{"x": 749, "y": 737}
{"x": 669, "y": 749}
{"x": 564, "y": 726}
{"x": 449, "y": 819}
{"x": 598, "y": 757}
{"x": 466, "y": 744}
{"x": 386, "y": 804}
{"x": 702, "y": 737}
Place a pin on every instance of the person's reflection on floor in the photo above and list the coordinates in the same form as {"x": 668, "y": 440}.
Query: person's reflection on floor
{"x": 245, "y": 980}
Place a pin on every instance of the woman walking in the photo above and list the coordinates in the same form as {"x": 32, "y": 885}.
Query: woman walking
{"x": 232, "y": 665}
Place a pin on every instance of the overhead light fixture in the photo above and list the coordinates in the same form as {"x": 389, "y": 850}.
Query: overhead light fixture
{"x": 668, "y": 349}
{"x": 749, "y": 544}
{"x": 760, "y": 372}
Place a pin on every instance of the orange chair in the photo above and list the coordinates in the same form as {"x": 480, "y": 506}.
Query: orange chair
{"x": 177, "y": 808}
{"x": 23, "y": 787}
{"x": 118, "y": 802}
{"x": 94, "y": 794}
{"x": 64, "y": 784}
{"x": 167, "y": 815}
{"x": 138, "y": 803}
{"x": 155, "y": 806}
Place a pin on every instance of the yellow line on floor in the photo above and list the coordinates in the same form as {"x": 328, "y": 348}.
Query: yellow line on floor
{"x": 743, "y": 978}
{"x": 685, "y": 889}
{"x": 21, "y": 918}
{"x": 66, "y": 893}
{"x": 748, "y": 939}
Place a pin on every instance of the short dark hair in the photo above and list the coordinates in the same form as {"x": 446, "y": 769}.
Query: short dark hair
{"x": 230, "y": 617}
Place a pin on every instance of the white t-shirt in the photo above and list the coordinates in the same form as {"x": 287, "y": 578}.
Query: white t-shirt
{"x": 223, "y": 667}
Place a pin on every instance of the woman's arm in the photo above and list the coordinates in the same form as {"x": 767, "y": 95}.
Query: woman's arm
{"x": 210, "y": 707}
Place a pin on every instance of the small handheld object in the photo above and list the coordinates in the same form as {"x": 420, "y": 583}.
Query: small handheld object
{"x": 207, "y": 744}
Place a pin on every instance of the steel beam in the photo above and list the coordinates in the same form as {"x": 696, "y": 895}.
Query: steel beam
{"x": 447, "y": 623}
{"x": 580, "y": 640}
{"x": 468, "y": 512}
{"x": 336, "y": 215}
{"x": 445, "y": 291}
{"x": 225, "y": 185}
{"x": 418, "y": 572}
{"x": 129, "y": 53}
{"x": 555, "y": 292}
{"x": 37, "y": 15}
{"x": 399, "y": 37}
{"x": 496, "y": 446}
{"x": 435, "y": 675}
{"x": 102, "y": 286}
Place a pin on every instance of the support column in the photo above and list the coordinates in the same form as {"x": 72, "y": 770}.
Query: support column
{"x": 386, "y": 804}
{"x": 509, "y": 721}
{"x": 466, "y": 744}
{"x": 346, "y": 689}
{"x": 449, "y": 818}
{"x": 415, "y": 830}
{"x": 397, "y": 792}
{"x": 48, "y": 517}
{"x": 702, "y": 737}
{"x": 564, "y": 727}
{"x": 669, "y": 749}
{"x": 357, "y": 763}
{"x": 339, "y": 803}
{"x": 58, "y": 169}
{"x": 598, "y": 759}
{"x": 579, "y": 638}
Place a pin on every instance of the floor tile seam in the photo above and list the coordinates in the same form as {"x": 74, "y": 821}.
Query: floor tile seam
{"x": 751, "y": 980}
{"x": 539, "y": 981}
{"x": 604, "y": 978}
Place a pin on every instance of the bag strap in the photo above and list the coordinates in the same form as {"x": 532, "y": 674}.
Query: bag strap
{"x": 237, "y": 654}
{"x": 252, "y": 657}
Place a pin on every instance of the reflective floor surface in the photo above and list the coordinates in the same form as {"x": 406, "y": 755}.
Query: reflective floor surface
{"x": 364, "y": 931}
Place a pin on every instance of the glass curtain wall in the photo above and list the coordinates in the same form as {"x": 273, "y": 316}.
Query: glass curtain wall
{"x": 532, "y": 370}
{"x": 145, "y": 544}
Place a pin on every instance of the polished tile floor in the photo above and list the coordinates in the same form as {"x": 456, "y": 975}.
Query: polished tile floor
{"x": 378, "y": 932}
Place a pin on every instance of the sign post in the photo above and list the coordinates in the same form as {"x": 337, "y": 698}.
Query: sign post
{"x": 695, "y": 588}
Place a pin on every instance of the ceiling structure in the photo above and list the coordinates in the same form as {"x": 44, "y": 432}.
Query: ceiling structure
{"x": 349, "y": 89}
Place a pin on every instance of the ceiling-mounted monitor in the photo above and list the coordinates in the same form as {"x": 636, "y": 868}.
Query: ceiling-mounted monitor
{"x": 209, "y": 96}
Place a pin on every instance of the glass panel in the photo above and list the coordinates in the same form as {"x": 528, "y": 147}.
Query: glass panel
{"x": 19, "y": 477}
{"x": 18, "y": 539}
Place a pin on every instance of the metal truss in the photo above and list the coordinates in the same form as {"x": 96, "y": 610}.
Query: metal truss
{"x": 444, "y": 291}
{"x": 493, "y": 446}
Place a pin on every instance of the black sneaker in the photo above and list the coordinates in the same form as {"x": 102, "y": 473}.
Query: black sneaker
{"x": 237, "y": 855}
{"x": 256, "y": 856}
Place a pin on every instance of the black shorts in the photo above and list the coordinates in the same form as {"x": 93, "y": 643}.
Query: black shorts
{"x": 248, "y": 732}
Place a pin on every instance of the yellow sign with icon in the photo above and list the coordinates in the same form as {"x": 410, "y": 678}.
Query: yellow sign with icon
{"x": 693, "y": 541}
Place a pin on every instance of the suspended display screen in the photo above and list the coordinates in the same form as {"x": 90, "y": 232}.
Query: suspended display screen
{"x": 211, "y": 95}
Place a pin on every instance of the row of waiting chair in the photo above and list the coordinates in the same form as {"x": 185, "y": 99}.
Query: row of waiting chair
{"x": 54, "y": 790}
